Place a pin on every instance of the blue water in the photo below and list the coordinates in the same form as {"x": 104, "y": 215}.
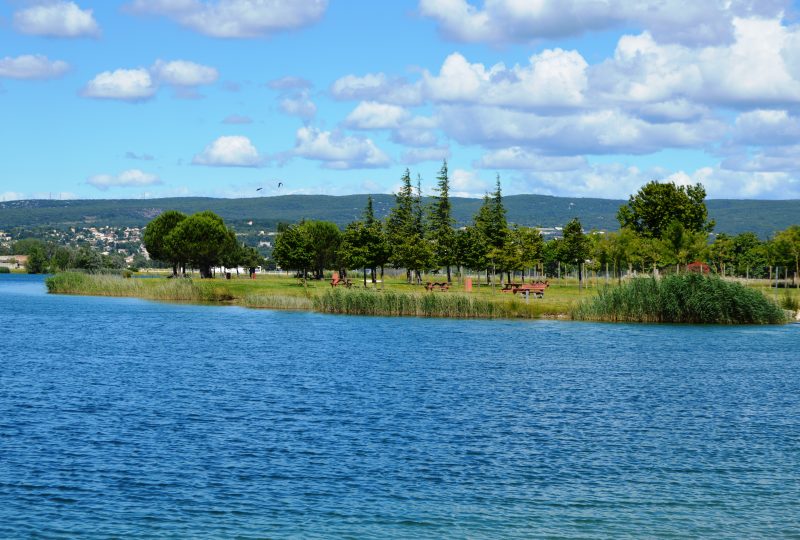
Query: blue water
{"x": 134, "y": 419}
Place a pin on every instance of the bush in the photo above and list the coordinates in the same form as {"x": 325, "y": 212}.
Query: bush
{"x": 5, "y": 270}
{"x": 683, "y": 298}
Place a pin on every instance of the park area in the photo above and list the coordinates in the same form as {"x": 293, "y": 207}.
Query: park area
{"x": 393, "y": 296}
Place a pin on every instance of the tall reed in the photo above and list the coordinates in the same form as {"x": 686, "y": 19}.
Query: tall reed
{"x": 684, "y": 298}
{"x": 392, "y": 303}
{"x": 183, "y": 290}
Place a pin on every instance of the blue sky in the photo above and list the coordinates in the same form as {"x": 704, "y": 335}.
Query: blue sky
{"x": 581, "y": 98}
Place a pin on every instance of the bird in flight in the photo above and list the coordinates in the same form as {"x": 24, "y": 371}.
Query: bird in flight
{"x": 280, "y": 184}
{"x": 259, "y": 189}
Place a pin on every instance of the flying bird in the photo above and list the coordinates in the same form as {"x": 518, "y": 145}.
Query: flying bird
{"x": 280, "y": 184}
{"x": 259, "y": 189}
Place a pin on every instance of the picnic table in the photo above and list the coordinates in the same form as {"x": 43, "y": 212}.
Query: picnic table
{"x": 434, "y": 286}
{"x": 536, "y": 288}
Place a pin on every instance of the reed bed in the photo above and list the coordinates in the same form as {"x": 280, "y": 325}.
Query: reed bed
{"x": 179, "y": 290}
{"x": 392, "y": 303}
{"x": 276, "y": 301}
{"x": 684, "y": 298}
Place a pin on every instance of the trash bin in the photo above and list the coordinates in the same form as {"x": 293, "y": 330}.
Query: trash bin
{"x": 227, "y": 275}
{"x": 468, "y": 284}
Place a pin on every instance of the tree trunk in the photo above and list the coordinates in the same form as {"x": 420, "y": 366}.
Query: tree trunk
{"x": 449, "y": 278}
{"x": 365, "y": 277}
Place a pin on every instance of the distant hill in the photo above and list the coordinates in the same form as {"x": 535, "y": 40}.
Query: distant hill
{"x": 732, "y": 216}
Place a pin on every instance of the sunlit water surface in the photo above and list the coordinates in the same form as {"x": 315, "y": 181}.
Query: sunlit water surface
{"x": 134, "y": 419}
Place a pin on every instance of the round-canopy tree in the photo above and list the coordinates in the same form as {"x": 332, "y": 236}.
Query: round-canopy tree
{"x": 201, "y": 239}
{"x": 651, "y": 210}
{"x": 155, "y": 235}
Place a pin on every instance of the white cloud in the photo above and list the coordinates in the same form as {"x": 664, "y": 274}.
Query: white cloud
{"x": 30, "y": 66}
{"x": 338, "y": 151}
{"x": 553, "y": 78}
{"x": 519, "y": 158}
{"x": 141, "y": 84}
{"x": 236, "y": 18}
{"x": 776, "y": 159}
{"x": 766, "y": 127}
{"x": 56, "y": 19}
{"x": 129, "y": 178}
{"x": 418, "y": 155}
{"x": 752, "y": 71}
{"x": 593, "y": 132}
{"x": 465, "y": 183}
{"x": 672, "y": 21}
{"x": 229, "y": 151}
{"x": 298, "y": 104}
{"x": 183, "y": 73}
{"x": 376, "y": 87}
{"x": 372, "y": 115}
{"x": 122, "y": 84}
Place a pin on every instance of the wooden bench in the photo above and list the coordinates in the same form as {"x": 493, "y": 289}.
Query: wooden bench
{"x": 509, "y": 287}
{"x": 434, "y": 286}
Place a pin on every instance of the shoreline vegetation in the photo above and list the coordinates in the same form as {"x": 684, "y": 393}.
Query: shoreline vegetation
{"x": 682, "y": 298}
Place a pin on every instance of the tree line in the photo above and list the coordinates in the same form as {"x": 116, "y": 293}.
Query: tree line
{"x": 663, "y": 227}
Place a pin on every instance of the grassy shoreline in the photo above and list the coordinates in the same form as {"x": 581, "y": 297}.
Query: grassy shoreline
{"x": 563, "y": 300}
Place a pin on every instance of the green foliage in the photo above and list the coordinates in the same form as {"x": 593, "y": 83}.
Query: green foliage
{"x": 5, "y": 270}
{"x": 440, "y": 220}
{"x": 763, "y": 217}
{"x": 656, "y": 205}
{"x": 201, "y": 239}
{"x": 26, "y": 245}
{"x": 37, "y": 260}
{"x": 155, "y": 238}
{"x": 406, "y": 231}
{"x": 681, "y": 298}
{"x": 323, "y": 238}
{"x": 293, "y": 250}
{"x": 574, "y": 247}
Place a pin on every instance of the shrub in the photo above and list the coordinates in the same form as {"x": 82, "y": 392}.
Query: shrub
{"x": 684, "y": 298}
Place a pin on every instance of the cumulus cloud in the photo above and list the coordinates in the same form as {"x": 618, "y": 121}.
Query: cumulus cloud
{"x": 229, "y": 151}
{"x": 236, "y": 18}
{"x": 553, "y": 78}
{"x": 183, "y": 73}
{"x": 593, "y": 132}
{"x": 377, "y": 87}
{"x": 298, "y": 104}
{"x": 56, "y": 19}
{"x": 372, "y": 115}
{"x": 672, "y": 21}
{"x": 766, "y": 127}
{"x": 121, "y": 84}
{"x": 465, "y": 183}
{"x": 140, "y": 84}
{"x": 30, "y": 66}
{"x": 338, "y": 151}
{"x": 519, "y": 158}
{"x": 129, "y": 178}
{"x": 751, "y": 71}
{"x": 418, "y": 155}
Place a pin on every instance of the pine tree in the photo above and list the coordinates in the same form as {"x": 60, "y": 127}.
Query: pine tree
{"x": 441, "y": 223}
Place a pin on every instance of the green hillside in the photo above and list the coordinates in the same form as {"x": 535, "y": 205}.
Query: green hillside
{"x": 732, "y": 216}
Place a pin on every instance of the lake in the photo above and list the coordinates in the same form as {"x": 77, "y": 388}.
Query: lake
{"x": 135, "y": 419}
